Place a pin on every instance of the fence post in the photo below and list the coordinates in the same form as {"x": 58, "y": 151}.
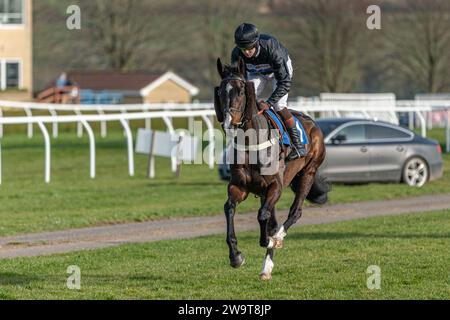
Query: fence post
{"x": 91, "y": 147}
{"x": 447, "y": 144}
{"x": 54, "y": 124}
{"x": 129, "y": 136}
{"x": 47, "y": 151}
{"x": 151, "y": 157}
{"x": 1, "y": 124}
{"x": 30, "y": 124}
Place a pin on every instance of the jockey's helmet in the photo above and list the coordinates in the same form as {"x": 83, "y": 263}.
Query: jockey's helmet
{"x": 246, "y": 36}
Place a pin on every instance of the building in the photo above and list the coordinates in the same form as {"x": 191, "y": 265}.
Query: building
{"x": 16, "y": 50}
{"x": 105, "y": 87}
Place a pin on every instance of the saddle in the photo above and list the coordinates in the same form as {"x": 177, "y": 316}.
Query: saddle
{"x": 283, "y": 135}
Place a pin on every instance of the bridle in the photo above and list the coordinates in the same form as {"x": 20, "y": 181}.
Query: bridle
{"x": 227, "y": 108}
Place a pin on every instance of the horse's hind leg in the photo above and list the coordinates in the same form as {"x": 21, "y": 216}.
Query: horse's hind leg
{"x": 266, "y": 273}
{"x": 235, "y": 196}
{"x": 304, "y": 184}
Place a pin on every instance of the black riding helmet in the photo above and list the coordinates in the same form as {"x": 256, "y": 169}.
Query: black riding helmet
{"x": 246, "y": 36}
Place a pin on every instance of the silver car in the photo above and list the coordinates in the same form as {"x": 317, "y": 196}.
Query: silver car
{"x": 371, "y": 151}
{"x": 365, "y": 151}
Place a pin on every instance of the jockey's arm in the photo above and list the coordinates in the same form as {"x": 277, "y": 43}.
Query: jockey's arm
{"x": 282, "y": 76}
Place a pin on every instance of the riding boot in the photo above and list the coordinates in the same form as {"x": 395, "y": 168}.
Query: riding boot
{"x": 298, "y": 148}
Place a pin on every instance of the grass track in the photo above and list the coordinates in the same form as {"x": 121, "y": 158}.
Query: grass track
{"x": 74, "y": 200}
{"x": 318, "y": 262}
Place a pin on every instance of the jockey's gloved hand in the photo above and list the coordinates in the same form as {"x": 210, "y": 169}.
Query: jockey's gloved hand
{"x": 263, "y": 105}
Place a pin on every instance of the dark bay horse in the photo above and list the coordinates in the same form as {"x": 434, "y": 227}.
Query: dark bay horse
{"x": 236, "y": 108}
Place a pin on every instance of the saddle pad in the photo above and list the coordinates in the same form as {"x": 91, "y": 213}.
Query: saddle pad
{"x": 284, "y": 134}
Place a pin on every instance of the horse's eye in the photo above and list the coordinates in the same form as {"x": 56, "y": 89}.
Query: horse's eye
{"x": 241, "y": 93}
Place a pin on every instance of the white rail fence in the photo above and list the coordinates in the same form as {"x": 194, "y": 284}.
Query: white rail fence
{"x": 100, "y": 109}
{"x": 123, "y": 118}
{"x": 369, "y": 108}
{"x": 168, "y": 111}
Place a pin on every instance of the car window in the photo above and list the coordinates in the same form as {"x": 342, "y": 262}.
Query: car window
{"x": 327, "y": 127}
{"x": 376, "y": 132}
{"x": 352, "y": 133}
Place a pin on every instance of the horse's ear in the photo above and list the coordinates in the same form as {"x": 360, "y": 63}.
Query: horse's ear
{"x": 220, "y": 68}
{"x": 250, "y": 97}
{"x": 217, "y": 105}
{"x": 241, "y": 66}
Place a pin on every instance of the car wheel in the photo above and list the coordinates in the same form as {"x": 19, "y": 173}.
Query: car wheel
{"x": 415, "y": 172}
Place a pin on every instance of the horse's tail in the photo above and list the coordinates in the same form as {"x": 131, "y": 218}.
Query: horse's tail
{"x": 319, "y": 189}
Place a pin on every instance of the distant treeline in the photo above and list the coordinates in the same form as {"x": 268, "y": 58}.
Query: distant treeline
{"x": 331, "y": 46}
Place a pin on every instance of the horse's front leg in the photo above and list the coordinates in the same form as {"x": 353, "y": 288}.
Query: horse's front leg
{"x": 235, "y": 196}
{"x": 268, "y": 264}
{"x": 267, "y": 207}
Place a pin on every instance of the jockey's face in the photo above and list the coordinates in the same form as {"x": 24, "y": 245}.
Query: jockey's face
{"x": 249, "y": 52}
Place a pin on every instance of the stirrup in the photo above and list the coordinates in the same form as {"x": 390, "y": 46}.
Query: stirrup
{"x": 297, "y": 152}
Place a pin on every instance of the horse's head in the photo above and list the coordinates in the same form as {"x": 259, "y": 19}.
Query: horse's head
{"x": 234, "y": 96}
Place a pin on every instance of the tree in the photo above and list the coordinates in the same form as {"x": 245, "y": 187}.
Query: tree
{"x": 121, "y": 30}
{"x": 330, "y": 38}
{"x": 420, "y": 45}
{"x": 220, "y": 19}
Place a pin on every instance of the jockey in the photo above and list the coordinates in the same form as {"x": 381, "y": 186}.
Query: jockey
{"x": 268, "y": 63}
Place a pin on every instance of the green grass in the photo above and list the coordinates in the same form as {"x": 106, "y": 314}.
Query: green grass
{"x": 436, "y": 134}
{"x": 317, "y": 262}
{"x": 72, "y": 199}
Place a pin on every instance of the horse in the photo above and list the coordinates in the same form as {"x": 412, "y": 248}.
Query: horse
{"x": 236, "y": 108}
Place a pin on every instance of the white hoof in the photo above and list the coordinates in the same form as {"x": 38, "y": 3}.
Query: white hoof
{"x": 265, "y": 277}
{"x": 276, "y": 242}
{"x": 266, "y": 273}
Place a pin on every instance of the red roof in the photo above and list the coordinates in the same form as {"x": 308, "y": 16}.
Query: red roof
{"x": 112, "y": 80}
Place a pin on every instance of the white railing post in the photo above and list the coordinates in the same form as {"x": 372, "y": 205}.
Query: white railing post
{"x": 130, "y": 146}
{"x": 148, "y": 123}
{"x": 411, "y": 123}
{"x": 124, "y": 111}
{"x": 79, "y": 125}
{"x": 54, "y": 124}
{"x": 91, "y": 147}
{"x": 103, "y": 126}
{"x": 47, "y": 151}
{"x": 423, "y": 123}
{"x": 447, "y": 129}
{"x": 30, "y": 124}
{"x": 1, "y": 124}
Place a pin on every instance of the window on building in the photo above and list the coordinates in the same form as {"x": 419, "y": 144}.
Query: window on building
{"x": 11, "y": 12}
{"x": 12, "y": 75}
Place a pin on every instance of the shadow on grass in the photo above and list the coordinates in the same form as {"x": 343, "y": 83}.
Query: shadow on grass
{"x": 355, "y": 235}
{"x": 186, "y": 183}
{"x": 11, "y": 278}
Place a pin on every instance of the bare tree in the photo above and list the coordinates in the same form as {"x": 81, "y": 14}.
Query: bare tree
{"x": 420, "y": 45}
{"x": 330, "y": 41}
{"x": 122, "y": 29}
{"x": 220, "y": 19}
